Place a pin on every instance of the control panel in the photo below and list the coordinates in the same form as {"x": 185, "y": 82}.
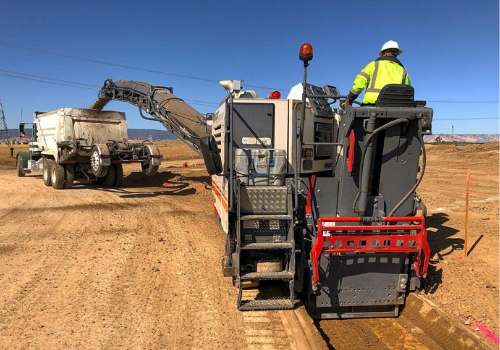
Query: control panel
{"x": 320, "y": 106}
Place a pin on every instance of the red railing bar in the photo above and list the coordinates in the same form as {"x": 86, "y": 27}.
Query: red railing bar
{"x": 361, "y": 250}
{"x": 369, "y": 228}
{"x": 420, "y": 238}
{"x": 384, "y": 219}
{"x": 371, "y": 237}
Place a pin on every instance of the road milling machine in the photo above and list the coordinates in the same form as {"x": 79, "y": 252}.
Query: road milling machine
{"x": 318, "y": 203}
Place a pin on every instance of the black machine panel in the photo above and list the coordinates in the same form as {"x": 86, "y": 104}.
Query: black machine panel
{"x": 400, "y": 156}
{"x": 349, "y": 276}
{"x": 323, "y": 132}
{"x": 253, "y": 125}
{"x": 394, "y": 167}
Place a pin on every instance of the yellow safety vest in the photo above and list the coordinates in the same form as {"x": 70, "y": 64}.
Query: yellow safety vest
{"x": 375, "y": 76}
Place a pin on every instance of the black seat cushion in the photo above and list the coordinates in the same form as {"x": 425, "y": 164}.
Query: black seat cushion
{"x": 396, "y": 95}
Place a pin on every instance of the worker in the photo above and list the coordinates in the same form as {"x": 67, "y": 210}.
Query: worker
{"x": 386, "y": 69}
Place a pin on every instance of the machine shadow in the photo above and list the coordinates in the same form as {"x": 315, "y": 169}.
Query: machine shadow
{"x": 442, "y": 241}
{"x": 164, "y": 180}
{"x": 138, "y": 179}
{"x": 325, "y": 336}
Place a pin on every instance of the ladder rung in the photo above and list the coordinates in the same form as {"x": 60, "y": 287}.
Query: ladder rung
{"x": 255, "y": 246}
{"x": 282, "y": 275}
{"x": 265, "y": 217}
{"x": 268, "y": 304}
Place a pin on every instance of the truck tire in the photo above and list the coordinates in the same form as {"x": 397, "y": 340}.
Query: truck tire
{"x": 109, "y": 179}
{"x": 148, "y": 169}
{"x": 19, "y": 166}
{"x": 118, "y": 175}
{"x": 57, "y": 175}
{"x": 69, "y": 175}
{"x": 96, "y": 162}
{"x": 47, "y": 170}
{"x": 147, "y": 165}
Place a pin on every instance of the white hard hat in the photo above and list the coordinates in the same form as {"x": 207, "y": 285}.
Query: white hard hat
{"x": 390, "y": 45}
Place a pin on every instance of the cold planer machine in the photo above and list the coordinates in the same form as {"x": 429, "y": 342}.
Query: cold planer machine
{"x": 317, "y": 203}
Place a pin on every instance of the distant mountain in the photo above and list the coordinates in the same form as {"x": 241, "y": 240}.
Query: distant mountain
{"x": 472, "y": 138}
{"x": 155, "y": 135}
{"x": 160, "y": 135}
{"x": 15, "y": 133}
{"x": 133, "y": 134}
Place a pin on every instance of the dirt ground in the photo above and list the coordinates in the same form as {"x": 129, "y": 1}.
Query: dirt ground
{"x": 466, "y": 288}
{"x": 140, "y": 266}
{"x": 137, "y": 267}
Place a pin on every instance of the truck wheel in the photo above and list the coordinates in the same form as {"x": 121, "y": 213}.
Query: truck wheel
{"x": 96, "y": 162}
{"x": 109, "y": 179}
{"x": 47, "y": 167}
{"x": 148, "y": 168}
{"x": 118, "y": 175}
{"x": 57, "y": 175}
{"x": 19, "y": 166}
{"x": 147, "y": 165}
{"x": 69, "y": 175}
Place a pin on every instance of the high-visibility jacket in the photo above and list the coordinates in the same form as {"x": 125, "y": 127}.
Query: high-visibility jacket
{"x": 376, "y": 75}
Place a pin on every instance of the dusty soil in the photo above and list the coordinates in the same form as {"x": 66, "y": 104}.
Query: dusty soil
{"x": 6, "y": 161}
{"x": 139, "y": 266}
{"x": 136, "y": 267}
{"x": 466, "y": 288}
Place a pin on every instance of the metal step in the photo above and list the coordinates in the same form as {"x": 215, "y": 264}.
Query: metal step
{"x": 268, "y": 304}
{"x": 283, "y": 275}
{"x": 265, "y": 217}
{"x": 258, "y": 246}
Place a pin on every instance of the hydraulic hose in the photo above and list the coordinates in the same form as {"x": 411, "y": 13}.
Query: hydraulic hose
{"x": 367, "y": 142}
{"x": 424, "y": 162}
{"x": 144, "y": 117}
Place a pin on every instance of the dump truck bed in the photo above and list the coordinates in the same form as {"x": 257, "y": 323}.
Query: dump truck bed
{"x": 67, "y": 124}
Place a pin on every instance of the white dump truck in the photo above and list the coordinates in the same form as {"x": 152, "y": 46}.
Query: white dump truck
{"x": 88, "y": 144}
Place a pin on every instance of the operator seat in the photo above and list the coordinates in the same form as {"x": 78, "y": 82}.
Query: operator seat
{"x": 398, "y": 95}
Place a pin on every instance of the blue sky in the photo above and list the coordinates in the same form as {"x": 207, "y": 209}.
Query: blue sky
{"x": 451, "y": 50}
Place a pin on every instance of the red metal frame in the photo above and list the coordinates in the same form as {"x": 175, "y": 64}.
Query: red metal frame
{"x": 309, "y": 195}
{"x": 365, "y": 239}
{"x": 350, "y": 156}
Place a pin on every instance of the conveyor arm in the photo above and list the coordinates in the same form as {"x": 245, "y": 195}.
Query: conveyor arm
{"x": 176, "y": 116}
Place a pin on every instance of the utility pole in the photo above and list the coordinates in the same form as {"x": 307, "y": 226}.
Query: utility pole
{"x": 4, "y": 131}
{"x": 453, "y": 133}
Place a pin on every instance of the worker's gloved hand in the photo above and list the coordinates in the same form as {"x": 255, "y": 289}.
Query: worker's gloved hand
{"x": 351, "y": 97}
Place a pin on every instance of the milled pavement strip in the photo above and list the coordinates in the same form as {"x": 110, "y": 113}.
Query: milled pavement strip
{"x": 301, "y": 330}
{"x": 424, "y": 314}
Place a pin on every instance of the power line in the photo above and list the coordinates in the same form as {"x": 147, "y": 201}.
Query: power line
{"x": 77, "y": 85}
{"x": 86, "y": 85}
{"x": 463, "y": 101}
{"x": 46, "y": 82}
{"x": 480, "y": 118}
{"x": 125, "y": 66}
{"x": 53, "y": 79}
{"x": 173, "y": 74}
